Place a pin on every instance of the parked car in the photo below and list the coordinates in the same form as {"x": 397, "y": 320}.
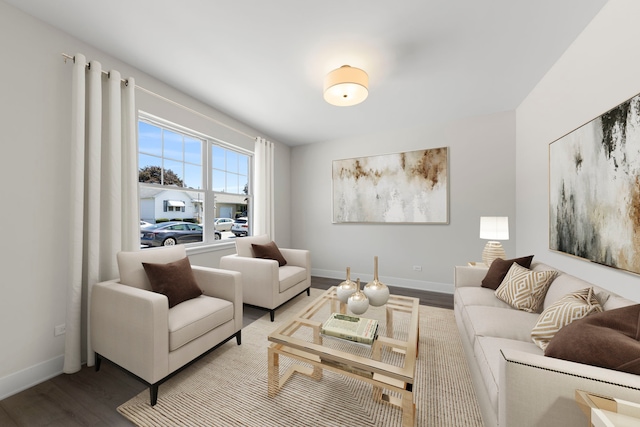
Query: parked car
{"x": 217, "y": 234}
{"x": 223, "y": 224}
{"x": 144, "y": 224}
{"x": 171, "y": 233}
{"x": 240, "y": 227}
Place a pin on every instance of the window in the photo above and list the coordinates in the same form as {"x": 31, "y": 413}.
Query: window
{"x": 185, "y": 178}
{"x": 174, "y": 206}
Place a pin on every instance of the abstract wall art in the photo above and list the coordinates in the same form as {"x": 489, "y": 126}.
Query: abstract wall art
{"x": 594, "y": 189}
{"x": 409, "y": 187}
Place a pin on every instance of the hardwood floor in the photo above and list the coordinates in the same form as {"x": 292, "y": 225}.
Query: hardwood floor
{"x": 435, "y": 299}
{"x": 89, "y": 398}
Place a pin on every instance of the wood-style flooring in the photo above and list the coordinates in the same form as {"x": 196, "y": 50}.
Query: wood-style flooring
{"x": 89, "y": 398}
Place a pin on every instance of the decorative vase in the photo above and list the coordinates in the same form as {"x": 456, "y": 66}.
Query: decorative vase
{"x": 358, "y": 302}
{"x": 376, "y": 291}
{"x": 346, "y": 288}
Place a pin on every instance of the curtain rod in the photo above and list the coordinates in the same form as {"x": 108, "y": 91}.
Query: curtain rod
{"x": 184, "y": 107}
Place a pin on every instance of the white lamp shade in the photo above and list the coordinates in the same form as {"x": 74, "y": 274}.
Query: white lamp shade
{"x": 346, "y": 86}
{"x": 494, "y": 227}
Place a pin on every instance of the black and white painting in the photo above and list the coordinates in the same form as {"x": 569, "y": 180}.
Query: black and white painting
{"x": 594, "y": 189}
{"x": 409, "y": 187}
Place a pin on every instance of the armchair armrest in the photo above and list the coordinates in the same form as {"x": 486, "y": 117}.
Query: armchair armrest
{"x": 297, "y": 257}
{"x": 468, "y": 276}
{"x": 253, "y": 270}
{"x": 258, "y": 277}
{"x": 129, "y": 326}
{"x": 223, "y": 284}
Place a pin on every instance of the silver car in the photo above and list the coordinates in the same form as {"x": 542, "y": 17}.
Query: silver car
{"x": 241, "y": 227}
{"x": 223, "y": 224}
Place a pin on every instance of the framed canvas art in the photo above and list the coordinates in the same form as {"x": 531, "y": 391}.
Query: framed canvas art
{"x": 409, "y": 187}
{"x": 594, "y": 189}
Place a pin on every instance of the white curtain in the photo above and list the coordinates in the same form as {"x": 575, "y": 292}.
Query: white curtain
{"x": 263, "y": 203}
{"x": 104, "y": 200}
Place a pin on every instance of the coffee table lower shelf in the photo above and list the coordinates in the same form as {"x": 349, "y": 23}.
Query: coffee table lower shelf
{"x": 378, "y": 381}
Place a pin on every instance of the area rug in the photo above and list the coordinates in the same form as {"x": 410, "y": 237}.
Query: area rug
{"x": 228, "y": 387}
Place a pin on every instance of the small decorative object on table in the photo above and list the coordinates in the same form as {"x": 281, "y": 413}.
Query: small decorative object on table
{"x": 358, "y": 302}
{"x": 346, "y": 288}
{"x": 376, "y": 291}
{"x": 350, "y": 328}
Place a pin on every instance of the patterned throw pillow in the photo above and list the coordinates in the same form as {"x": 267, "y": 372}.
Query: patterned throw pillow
{"x": 570, "y": 307}
{"x": 525, "y": 289}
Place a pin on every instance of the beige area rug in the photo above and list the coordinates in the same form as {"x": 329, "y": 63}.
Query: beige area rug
{"x": 228, "y": 387}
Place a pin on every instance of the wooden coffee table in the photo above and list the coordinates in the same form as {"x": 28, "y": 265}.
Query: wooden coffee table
{"x": 389, "y": 365}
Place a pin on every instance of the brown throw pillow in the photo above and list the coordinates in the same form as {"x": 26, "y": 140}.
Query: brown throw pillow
{"x": 610, "y": 339}
{"x": 268, "y": 251}
{"x": 499, "y": 268}
{"x": 175, "y": 280}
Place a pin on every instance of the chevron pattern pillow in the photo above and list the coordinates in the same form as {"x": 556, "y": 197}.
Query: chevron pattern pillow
{"x": 570, "y": 307}
{"x": 525, "y": 289}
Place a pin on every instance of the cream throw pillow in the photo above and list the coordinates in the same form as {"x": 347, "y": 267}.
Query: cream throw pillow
{"x": 525, "y": 289}
{"x": 570, "y": 307}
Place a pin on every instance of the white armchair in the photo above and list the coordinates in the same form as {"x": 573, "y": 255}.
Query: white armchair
{"x": 133, "y": 327}
{"x": 265, "y": 283}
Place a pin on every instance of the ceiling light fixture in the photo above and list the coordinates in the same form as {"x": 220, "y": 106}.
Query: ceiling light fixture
{"x": 346, "y": 86}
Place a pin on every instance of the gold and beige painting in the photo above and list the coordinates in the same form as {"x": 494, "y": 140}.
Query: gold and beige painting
{"x": 409, "y": 187}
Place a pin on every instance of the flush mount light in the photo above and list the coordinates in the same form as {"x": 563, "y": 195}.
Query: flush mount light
{"x": 346, "y": 86}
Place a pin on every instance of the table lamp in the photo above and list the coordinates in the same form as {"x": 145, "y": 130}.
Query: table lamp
{"x": 493, "y": 228}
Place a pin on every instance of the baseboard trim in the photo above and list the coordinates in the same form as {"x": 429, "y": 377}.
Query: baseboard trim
{"x": 28, "y": 377}
{"x": 422, "y": 285}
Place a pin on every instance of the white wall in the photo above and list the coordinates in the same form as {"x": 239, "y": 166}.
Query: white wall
{"x": 35, "y": 122}
{"x": 600, "y": 70}
{"x": 481, "y": 173}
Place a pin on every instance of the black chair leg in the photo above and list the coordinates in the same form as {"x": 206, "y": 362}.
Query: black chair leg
{"x": 98, "y": 361}
{"x": 153, "y": 392}
{"x": 308, "y": 292}
{"x": 272, "y": 314}
{"x": 239, "y": 337}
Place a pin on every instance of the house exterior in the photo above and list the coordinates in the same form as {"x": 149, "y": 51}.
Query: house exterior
{"x": 174, "y": 205}
{"x": 158, "y": 204}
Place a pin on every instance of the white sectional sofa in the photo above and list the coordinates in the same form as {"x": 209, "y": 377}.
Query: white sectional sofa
{"x": 515, "y": 383}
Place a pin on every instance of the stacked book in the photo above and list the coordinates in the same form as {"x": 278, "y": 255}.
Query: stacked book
{"x": 351, "y": 328}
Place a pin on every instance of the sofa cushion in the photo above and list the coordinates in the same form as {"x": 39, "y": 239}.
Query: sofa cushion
{"x": 196, "y": 317}
{"x": 571, "y": 307}
{"x": 610, "y": 339}
{"x": 475, "y": 295}
{"x": 615, "y": 301}
{"x": 525, "y": 289}
{"x": 499, "y": 269}
{"x": 498, "y": 322}
{"x": 173, "y": 279}
{"x": 564, "y": 284}
{"x": 290, "y": 275}
{"x": 268, "y": 251}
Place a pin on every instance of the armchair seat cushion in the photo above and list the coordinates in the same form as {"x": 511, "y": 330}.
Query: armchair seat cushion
{"x": 193, "y": 318}
{"x": 291, "y": 275}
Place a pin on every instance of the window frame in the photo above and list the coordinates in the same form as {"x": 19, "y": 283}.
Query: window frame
{"x": 209, "y": 195}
